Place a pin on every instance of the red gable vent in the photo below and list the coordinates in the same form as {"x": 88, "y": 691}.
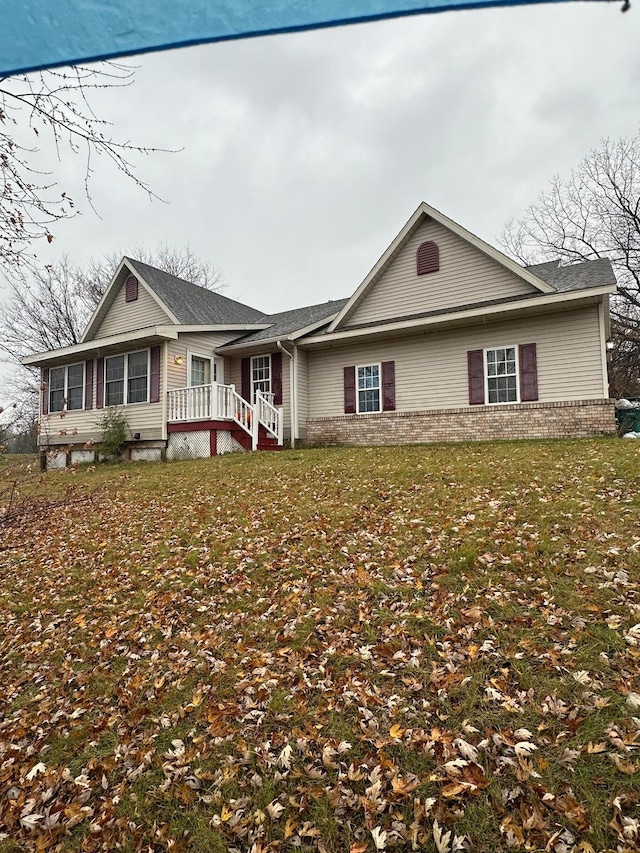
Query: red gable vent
{"x": 131, "y": 289}
{"x": 428, "y": 258}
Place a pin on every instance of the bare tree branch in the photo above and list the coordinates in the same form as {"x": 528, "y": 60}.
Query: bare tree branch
{"x": 50, "y": 308}
{"x": 595, "y": 213}
{"x": 54, "y": 106}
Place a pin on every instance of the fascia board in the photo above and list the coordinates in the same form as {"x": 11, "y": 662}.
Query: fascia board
{"x": 131, "y": 264}
{"x": 100, "y": 307}
{"x": 248, "y": 346}
{"x": 251, "y": 346}
{"x": 105, "y": 303}
{"x": 384, "y": 258}
{"x": 300, "y": 333}
{"x": 97, "y": 344}
{"x": 218, "y": 327}
{"x": 446, "y": 319}
{"x": 425, "y": 209}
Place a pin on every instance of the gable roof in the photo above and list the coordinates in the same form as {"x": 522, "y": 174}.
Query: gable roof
{"x": 190, "y": 303}
{"x": 425, "y": 210}
{"x": 578, "y": 276}
{"x": 286, "y": 324}
{"x": 184, "y": 303}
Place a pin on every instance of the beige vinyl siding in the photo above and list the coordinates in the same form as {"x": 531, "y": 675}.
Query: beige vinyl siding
{"x": 202, "y": 343}
{"x": 126, "y": 316}
{"x": 431, "y": 368}
{"x": 466, "y": 276}
{"x": 80, "y": 426}
{"x": 303, "y": 391}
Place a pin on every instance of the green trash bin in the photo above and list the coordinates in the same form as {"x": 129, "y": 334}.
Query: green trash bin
{"x": 629, "y": 419}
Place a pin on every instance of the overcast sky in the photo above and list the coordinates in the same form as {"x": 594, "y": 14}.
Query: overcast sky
{"x": 303, "y": 155}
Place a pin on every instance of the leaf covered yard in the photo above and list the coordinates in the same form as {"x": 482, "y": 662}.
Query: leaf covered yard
{"x": 426, "y": 648}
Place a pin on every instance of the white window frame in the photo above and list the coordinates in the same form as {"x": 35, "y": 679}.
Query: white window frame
{"x": 377, "y": 364}
{"x": 65, "y": 390}
{"x": 253, "y": 382}
{"x": 212, "y": 367}
{"x": 515, "y": 348}
{"x": 125, "y": 387}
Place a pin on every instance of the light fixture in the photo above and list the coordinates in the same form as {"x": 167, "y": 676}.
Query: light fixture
{"x": 178, "y": 359}
{"x": 609, "y": 344}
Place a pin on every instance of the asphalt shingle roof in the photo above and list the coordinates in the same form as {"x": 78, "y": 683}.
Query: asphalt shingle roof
{"x": 192, "y": 304}
{"x": 575, "y": 276}
{"x": 286, "y": 322}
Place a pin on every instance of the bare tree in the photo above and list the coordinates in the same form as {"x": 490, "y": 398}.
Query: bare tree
{"x": 52, "y": 107}
{"x": 49, "y": 308}
{"x": 595, "y": 213}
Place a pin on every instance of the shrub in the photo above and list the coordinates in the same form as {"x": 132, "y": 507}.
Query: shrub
{"x": 113, "y": 427}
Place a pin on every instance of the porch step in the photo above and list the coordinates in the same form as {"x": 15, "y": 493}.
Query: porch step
{"x": 265, "y": 441}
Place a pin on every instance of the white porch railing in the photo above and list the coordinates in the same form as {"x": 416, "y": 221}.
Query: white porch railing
{"x": 269, "y": 416}
{"x": 191, "y": 404}
{"x": 222, "y": 402}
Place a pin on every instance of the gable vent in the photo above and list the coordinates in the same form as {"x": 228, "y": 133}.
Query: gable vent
{"x": 428, "y": 258}
{"x": 131, "y": 289}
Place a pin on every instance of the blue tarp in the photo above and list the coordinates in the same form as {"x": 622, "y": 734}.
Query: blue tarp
{"x": 37, "y": 34}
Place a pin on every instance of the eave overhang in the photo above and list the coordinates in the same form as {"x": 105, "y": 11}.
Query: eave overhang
{"x": 102, "y": 346}
{"x": 539, "y": 304}
{"x": 240, "y": 328}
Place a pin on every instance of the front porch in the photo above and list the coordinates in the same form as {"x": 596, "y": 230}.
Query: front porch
{"x": 219, "y": 408}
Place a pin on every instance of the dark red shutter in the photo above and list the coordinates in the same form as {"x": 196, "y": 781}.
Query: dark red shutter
{"x": 245, "y": 379}
{"x": 88, "y": 383}
{"x": 276, "y": 378}
{"x": 131, "y": 289}
{"x": 44, "y": 382}
{"x": 388, "y": 386}
{"x": 428, "y": 258}
{"x": 100, "y": 383}
{"x": 349, "y": 390}
{"x": 475, "y": 363}
{"x": 528, "y": 372}
{"x": 154, "y": 375}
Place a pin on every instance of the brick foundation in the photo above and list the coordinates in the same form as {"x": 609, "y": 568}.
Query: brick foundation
{"x": 577, "y": 419}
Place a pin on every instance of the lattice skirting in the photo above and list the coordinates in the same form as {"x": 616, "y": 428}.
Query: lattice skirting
{"x": 188, "y": 445}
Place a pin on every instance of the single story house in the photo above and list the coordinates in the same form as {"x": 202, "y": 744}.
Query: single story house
{"x": 445, "y": 339}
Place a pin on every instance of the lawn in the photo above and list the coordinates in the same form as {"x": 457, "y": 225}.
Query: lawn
{"x": 426, "y": 648}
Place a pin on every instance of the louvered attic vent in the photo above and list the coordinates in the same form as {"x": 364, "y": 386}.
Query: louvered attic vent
{"x": 428, "y": 258}
{"x": 131, "y": 289}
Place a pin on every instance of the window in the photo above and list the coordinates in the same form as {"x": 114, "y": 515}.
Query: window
{"x": 66, "y": 388}
{"x": 260, "y": 375}
{"x": 201, "y": 370}
{"x": 368, "y": 397}
{"x": 501, "y": 375}
{"x": 126, "y": 378}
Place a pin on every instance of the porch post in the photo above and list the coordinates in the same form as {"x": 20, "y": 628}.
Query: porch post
{"x": 213, "y": 408}
{"x": 255, "y": 425}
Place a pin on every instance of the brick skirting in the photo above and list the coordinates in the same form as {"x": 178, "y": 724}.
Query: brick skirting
{"x": 578, "y": 418}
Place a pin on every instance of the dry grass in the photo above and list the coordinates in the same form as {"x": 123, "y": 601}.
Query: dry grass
{"x": 327, "y": 650}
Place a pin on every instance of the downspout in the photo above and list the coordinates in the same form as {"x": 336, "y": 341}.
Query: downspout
{"x": 292, "y": 394}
